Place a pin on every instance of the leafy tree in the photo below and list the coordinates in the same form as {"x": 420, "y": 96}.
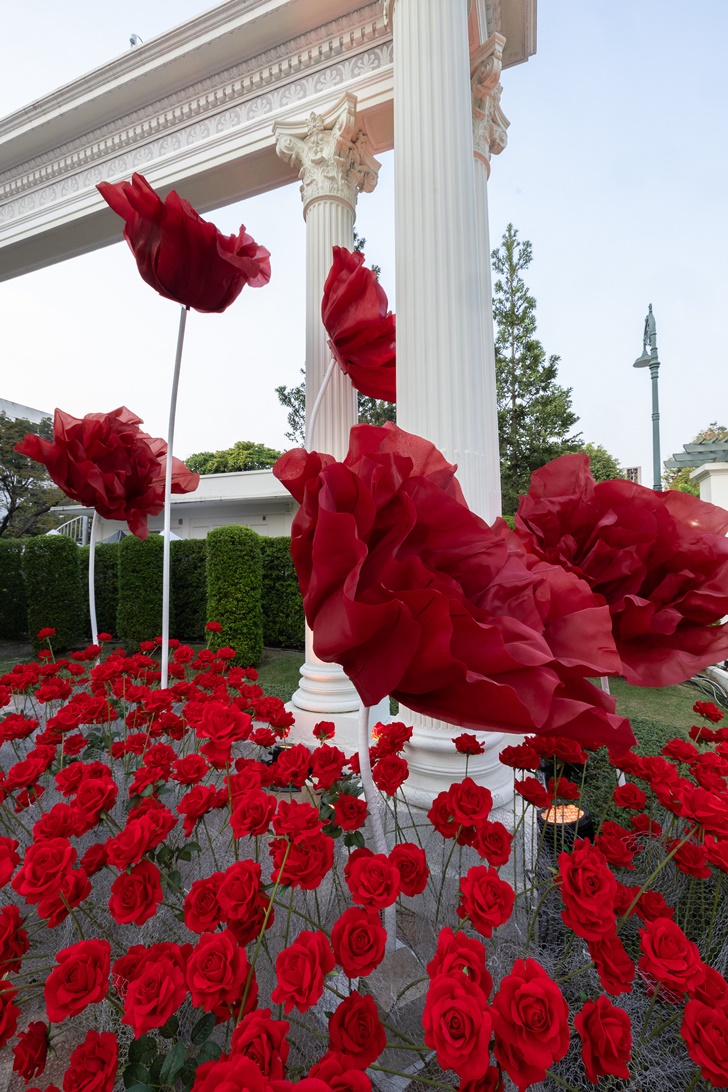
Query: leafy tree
{"x": 372, "y": 411}
{"x": 679, "y": 477}
{"x": 244, "y": 455}
{"x": 27, "y": 493}
{"x": 602, "y": 465}
{"x": 535, "y": 416}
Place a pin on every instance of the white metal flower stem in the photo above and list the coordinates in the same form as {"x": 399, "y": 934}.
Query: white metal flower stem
{"x": 168, "y": 498}
{"x": 370, "y": 795}
{"x": 92, "y": 579}
{"x": 317, "y": 403}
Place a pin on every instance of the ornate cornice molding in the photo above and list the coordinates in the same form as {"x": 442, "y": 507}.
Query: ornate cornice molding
{"x": 331, "y": 153}
{"x": 490, "y": 124}
{"x": 272, "y": 80}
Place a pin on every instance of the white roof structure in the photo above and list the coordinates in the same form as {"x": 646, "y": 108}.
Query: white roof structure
{"x": 16, "y": 410}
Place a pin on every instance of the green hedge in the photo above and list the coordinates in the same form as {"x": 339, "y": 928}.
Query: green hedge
{"x": 107, "y": 585}
{"x": 189, "y": 588}
{"x": 234, "y": 577}
{"x": 283, "y": 620}
{"x": 55, "y": 589}
{"x": 139, "y": 615}
{"x": 13, "y": 600}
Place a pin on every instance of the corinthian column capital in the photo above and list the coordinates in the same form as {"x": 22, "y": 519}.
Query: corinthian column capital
{"x": 489, "y": 121}
{"x": 332, "y": 154}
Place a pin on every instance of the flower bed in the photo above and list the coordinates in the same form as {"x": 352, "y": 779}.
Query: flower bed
{"x": 188, "y": 904}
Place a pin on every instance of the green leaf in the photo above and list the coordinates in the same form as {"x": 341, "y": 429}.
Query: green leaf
{"x": 170, "y": 1029}
{"x": 156, "y": 1068}
{"x": 187, "y": 1074}
{"x": 135, "y": 1074}
{"x": 354, "y": 838}
{"x": 209, "y": 1053}
{"x": 143, "y": 1050}
{"x": 194, "y": 846}
{"x": 139, "y": 1088}
{"x": 203, "y": 1029}
{"x": 172, "y": 1064}
{"x": 185, "y": 854}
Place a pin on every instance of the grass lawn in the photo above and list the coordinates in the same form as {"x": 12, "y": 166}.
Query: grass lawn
{"x": 671, "y": 706}
{"x": 279, "y": 672}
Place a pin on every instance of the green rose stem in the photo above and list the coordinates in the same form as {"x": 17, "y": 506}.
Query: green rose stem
{"x": 550, "y": 1073}
{"x": 268, "y": 912}
{"x": 648, "y": 1017}
{"x": 417, "y": 1080}
{"x": 168, "y": 499}
{"x": 694, "y": 1082}
{"x": 648, "y": 882}
{"x": 92, "y": 579}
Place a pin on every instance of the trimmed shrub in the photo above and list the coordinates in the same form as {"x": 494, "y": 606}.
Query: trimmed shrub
{"x": 107, "y": 585}
{"x": 283, "y": 620}
{"x": 234, "y": 578}
{"x": 189, "y": 588}
{"x": 139, "y": 615}
{"x": 13, "y": 600}
{"x": 55, "y": 590}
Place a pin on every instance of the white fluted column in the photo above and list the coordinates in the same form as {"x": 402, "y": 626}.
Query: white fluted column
{"x": 489, "y": 138}
{"x": 441, "y": 350}
{"x": 334, "y": 167}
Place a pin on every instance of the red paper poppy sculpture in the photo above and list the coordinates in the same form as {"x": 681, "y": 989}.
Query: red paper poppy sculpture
{"x": 361, "y": 330}
{"x": 415, "y": 596}
{"x": 106, "y": 462}
{"x": 659, "y": 559}
{"x": 182, "y": 256}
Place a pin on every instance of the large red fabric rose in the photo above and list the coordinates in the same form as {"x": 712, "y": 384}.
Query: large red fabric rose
{"x": 361, "y": 330}
{"x": 182, "y": 256}
{"x": 606, "y": 1039}
{"x": 93, "y": 1064}
{"x": 659, "y": 559}
{"x": 705, "y": 1032}
{"x": 457, "y": 1025}
{"x": 106, "y": 462}
{"x": 531, "y": 1023}
{"x": 80, "y": 979}
{"x": 301, "y": 970}
{"x": 356, "y": 1030}
{"x": 417, "y": 597}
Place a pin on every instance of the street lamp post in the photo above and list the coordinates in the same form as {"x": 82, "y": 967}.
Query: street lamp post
{"x": 649, "y": 360}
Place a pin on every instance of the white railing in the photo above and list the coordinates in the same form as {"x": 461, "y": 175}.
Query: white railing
{"x": 77, "y": 528}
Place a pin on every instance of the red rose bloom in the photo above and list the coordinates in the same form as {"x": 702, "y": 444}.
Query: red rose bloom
{"x": 361, "y": 330}
{"x": 522, "y": 756}
{"x": 432, "y": 617}
{"x": 531, "y": 1023}
{"x": 296, "y": 820}
{"x": 492, "y": 842}
{"x": 659, "y": 559}
{"x": 458, "y": 1025}
{"x": 9, "y": 1012}
{"x": 390, "y": 773}
{"x": 359, "y": 941}
{"x": 202, "y": 910}
{"x": 31, "y": 1051}
{"x": 337, "y": 1072}
{"x": 372, "y": 879}
{"x": 606, "y": 1039}
{"x": 356, "y": 1030}
{"x": 93, "y": 1064}
{"x": 327, "y": 765}
{"x": 705, "y": 1032}
{"x": 533, "y": 792}
{"x": 253, "y": 812}
{"x": 307, "y": 861}
{"x": 182, "y": 256}
{"x": 708, "y": 710}
{"x": 263, "y": 1040}
{"x": 459, "y": 952}
{"x": 104, "y": 461}
{"x": 234, "y": 1074}
{"x": 190, "y": 769}
{"x": 156, "y": 985}
{"x": 144, "y": 830}
{"x": 410, "y": 861}
{"x": 241, "y": 898}
{"x": 292, "y": 767}
{"x": 80, "y": 979}
{"x": 216, "y": 971}
{"x": 589, "y": 889}
{"x": 301, "y": 970}
{"x": 669, "y": 958}
{"x": 468, "y": 744}
{"x": 45, "y": 868}
{"x": 222, "y": 725}
{"x": 614, "y": 967}
{"x": 14, "y": 941}
{"x": 135, "y": 895}
{"x": 350, "y": 812}
{"x": 629, "y": 796}
{"x": 485, "y": 899}
{"x": 9, "y": 859}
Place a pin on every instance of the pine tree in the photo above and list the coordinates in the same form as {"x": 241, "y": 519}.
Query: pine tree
{"x": 535, "y": 416}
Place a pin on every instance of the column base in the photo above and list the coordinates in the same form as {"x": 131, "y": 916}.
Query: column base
{"x": 347, "y": 724}
{"x": 434, "y": 764}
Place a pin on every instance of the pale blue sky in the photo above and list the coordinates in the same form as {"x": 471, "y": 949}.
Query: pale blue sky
{"x": 616, "y": 170}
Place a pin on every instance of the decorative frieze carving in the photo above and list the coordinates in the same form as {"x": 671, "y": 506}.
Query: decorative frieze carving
{"x": 489, "y": 122}
{"x": 331, "y": 153}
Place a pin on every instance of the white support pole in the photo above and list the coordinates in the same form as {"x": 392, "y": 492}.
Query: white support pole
{"x": 168, "y": 497}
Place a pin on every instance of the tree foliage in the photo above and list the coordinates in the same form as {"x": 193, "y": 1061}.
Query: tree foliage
{"x": 371, "y": 411}
{"x": 535, "y": 416}
{"x": 603, "y": 466}
{"x": 679, "y": 477}
{"x": 27, "y": 493}
{"x": 244, "y": 455}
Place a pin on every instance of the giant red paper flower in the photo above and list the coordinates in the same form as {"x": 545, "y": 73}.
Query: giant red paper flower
{"x": 417, "y": 597}
{"x": 182, "y": 256}
{"x": 659, "y": 559}
{"x": 105, "y": 461}
{"x": 361, "y": 330}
